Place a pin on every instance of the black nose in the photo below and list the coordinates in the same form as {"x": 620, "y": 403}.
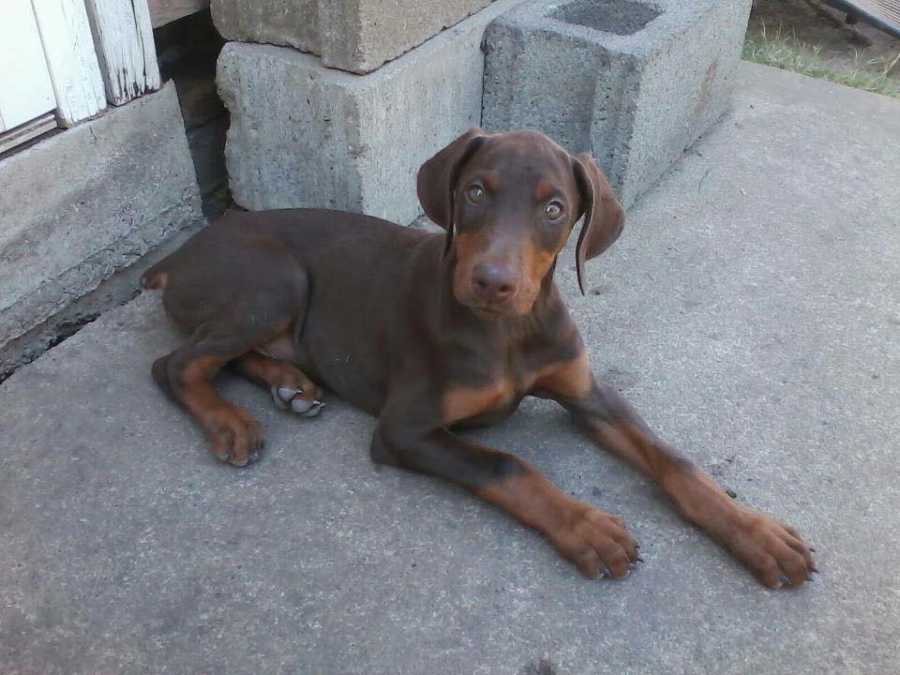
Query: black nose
{"x": 493, "y": 282}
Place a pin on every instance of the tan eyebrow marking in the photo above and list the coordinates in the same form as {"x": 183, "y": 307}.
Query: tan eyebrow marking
{"x": 544, "y": 190}
{"x": 492, "y": 181}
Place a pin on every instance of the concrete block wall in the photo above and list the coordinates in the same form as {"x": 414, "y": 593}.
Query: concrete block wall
{"x": 82, "y": 207}
{"x": 353, "y": 35}
{"x": 634, "y": 82}
{"x": 303, "y": 134}
{"x": 306, "y": 135}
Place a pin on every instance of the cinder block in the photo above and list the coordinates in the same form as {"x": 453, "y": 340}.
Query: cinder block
{"x": 353, "y": 35}
{"x": 634, "y": 82}
{"x": 303, "y": 135}
{"x": 80, "y": 206}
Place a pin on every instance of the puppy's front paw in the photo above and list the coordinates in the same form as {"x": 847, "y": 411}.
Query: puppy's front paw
{"x": 774, "y": 552}
{"x": 596, "y": 542}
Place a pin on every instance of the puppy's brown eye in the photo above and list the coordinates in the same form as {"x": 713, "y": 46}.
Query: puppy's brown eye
{"x": 553, "y": 210}
{"x": 475, "y": 194}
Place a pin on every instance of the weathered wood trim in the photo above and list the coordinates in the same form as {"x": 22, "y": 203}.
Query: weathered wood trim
{"x": 25, "y": 132}
{"x": 167, "y": 11}
{"x": 123, "y": 38}
{"x": 69, "y": 49}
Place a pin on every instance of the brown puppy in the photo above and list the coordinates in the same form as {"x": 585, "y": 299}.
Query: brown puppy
{"x": 430, "y": 332}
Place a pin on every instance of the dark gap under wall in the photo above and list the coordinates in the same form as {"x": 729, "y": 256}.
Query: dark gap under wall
{"x": 187, "y": 50}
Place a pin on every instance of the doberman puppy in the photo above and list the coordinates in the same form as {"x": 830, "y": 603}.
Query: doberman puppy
{"x": 435, "y": 331}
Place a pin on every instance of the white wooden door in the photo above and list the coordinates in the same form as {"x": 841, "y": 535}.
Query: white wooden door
{"x": 59, "y": 66}
{"x": 26, "y": 90}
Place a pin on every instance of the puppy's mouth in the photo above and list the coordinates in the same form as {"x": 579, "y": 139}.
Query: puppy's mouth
{"x": 488, "y": 312}
{"x": 491, "y": 311}
{"x": 482, "y": 309}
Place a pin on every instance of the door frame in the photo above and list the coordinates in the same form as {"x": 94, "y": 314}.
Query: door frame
{"x": 69, "y": 49}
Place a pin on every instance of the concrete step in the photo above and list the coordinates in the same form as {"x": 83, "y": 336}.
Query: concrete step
{"x": 81, "y": 207}
{"x": 749, "y": 310}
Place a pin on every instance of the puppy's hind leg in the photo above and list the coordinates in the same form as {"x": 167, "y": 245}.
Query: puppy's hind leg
{"x": 232, "y": 304}
{"x": 186, "y": 375}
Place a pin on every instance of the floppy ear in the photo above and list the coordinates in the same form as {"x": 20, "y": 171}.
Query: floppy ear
{"x": 603, "y": 215}
{"x": 436, "y": 180}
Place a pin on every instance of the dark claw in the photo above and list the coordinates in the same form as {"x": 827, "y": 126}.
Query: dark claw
{"x": 314, "y": 409}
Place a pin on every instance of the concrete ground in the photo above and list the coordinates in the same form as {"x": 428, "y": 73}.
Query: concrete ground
{"x": 751, "y": 311}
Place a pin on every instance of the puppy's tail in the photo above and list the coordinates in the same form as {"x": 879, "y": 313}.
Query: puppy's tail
{"x": 154, "y": 279}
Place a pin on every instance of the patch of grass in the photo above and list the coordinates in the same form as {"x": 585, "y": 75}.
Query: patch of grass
{"x": 774, "y": 46}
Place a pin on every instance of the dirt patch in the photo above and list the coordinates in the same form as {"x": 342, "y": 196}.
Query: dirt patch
{"x": 810, "y": 38}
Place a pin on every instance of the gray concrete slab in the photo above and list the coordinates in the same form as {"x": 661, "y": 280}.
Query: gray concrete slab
{"x": 750, "y": 310}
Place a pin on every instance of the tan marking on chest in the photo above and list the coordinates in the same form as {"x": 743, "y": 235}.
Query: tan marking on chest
{"x": 570, "y": 379}
{"x": 461, "y": 403}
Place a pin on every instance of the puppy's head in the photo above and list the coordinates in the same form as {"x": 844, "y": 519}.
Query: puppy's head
{"x": 509, "y": 202}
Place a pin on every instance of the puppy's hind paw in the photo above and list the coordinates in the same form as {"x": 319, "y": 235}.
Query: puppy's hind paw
{"x": 288, "y": 398}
